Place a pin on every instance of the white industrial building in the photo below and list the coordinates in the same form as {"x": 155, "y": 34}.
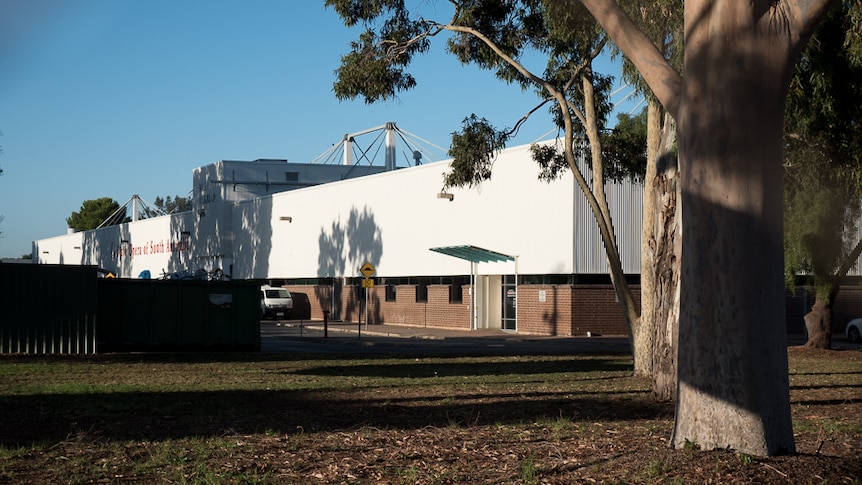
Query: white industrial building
{"x": 515, "y": 253}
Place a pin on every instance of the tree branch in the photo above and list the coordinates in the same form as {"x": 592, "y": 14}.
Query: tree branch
{"x": 524, "y": 118}
{"x": 664, "y": 81}
{"x": 509, "y": 60}
{"x": 849, "y": 260}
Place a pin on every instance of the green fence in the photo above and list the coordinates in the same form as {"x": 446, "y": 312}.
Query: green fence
{"x": 48, "y": 309}
{"x": 178, "y": 315}
{"x": 59, "y": 309}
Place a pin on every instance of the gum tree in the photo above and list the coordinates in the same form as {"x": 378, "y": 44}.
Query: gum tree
{"x": 728, "y": 106}
{"x": 661, "y": 21}
{"x": 823, "y": 165}
{"x": 733, "y": 386}
{"x": 497, "y": 36}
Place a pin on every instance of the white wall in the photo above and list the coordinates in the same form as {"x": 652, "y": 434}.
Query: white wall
{"x": 161, "y": 243}
{"x": 391, "y": 219}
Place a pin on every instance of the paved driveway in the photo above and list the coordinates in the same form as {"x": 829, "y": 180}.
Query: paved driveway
{"x": 294, "y": 336}
{"x": 355, "y": 338}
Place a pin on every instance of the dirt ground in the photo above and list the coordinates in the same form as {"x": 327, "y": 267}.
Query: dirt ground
{"x": 404, "y": 435}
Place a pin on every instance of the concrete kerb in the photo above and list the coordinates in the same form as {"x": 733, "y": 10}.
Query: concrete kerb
{"x": 380, "y": 330}
{"x": 430, "y": 333}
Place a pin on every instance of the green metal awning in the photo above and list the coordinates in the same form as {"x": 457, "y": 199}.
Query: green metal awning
{"x": 473, "y": 254}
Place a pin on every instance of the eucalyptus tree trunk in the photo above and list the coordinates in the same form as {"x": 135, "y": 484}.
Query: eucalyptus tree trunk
{"x": 665, "y": 246}
{"x": 630, "y": 309}
{"x": 733, "y": 388}
{"x": 733, "y": 385}
{"x": 643, "y": 329}
{"x": 818, "y": 323}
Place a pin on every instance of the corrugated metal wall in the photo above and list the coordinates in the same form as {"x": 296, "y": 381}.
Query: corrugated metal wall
{"x": 47, "y": 309}
{"x": 625, "y": 201}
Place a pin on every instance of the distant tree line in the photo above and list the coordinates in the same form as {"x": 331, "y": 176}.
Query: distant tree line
{"x": 106, "y": 211}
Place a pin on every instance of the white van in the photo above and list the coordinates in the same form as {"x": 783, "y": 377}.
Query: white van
{"x": 275, "y": 302}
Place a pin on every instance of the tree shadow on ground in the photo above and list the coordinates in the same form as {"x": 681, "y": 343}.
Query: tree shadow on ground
{"x": 32, "y": 419}
{"x": 441, "y": 369}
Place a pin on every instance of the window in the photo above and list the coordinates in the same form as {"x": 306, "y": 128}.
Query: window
{"x": 390, "y": 292}
{"x": 455, "y": 293}
{"x": 291, "y": 176}
{"x": 422, "y": 292}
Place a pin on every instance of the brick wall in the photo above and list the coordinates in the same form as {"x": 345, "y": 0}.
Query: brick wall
{"x": 567, "y": 310}
{"x": 441, "y": 313}
{"x": 314, "y": 295}
{"x": 405, "y": 310}
{"x": 595, "y": 309}
{"x": 436, "y": 312}
{"x": 571, "y": 310}
{"x": 551, "y": 317}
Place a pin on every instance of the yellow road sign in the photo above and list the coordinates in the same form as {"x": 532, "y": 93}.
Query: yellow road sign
{"x": 367, "y": 269}
{"x": 368, "y": 283}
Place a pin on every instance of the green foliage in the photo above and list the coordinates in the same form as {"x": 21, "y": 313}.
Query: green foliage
{"x": 370, "y": 73}
{"x": 170, "y": 205}
{"x": 690, "y": 445}
{"x": 93, "y": 212}
{"x": 824, "y": 97}
{"x": 511, "y": 26}
{"x": 552, "y": 161}
{"x": 356, "y": 11}
{"x": 625, "y": 156}
{"x": 853, "y": 39}
{"x": 494, "y": 36}
{"x": 623, "y": 152}
{"x": 473, "y": 150}
{"x": 820, "y": 214}
{"x": 375, "y": 67}
{"x": 823, "y": 161}
{"x": 662, "y": 21}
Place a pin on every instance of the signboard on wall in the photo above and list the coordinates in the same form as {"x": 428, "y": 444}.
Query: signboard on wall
{"x": 367, "y": 270}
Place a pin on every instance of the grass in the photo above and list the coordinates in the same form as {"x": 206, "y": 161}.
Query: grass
{"x": 529, "y": 474}
{"x": 258, "y": 418}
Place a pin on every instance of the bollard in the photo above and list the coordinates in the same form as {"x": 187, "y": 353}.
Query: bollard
{"x": 325, "y": 323}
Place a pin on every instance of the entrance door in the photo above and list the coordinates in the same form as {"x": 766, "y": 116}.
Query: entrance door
{"x": 510, "y": 303}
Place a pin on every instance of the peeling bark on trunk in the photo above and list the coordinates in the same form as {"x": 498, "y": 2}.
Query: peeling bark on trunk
{"x": 643, "y": 331}
{"x": 818, "y": 323}
{"x": 666, "y": 247}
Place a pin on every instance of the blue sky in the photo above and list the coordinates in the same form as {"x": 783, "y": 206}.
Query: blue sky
{"x": 110, "y": 98}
